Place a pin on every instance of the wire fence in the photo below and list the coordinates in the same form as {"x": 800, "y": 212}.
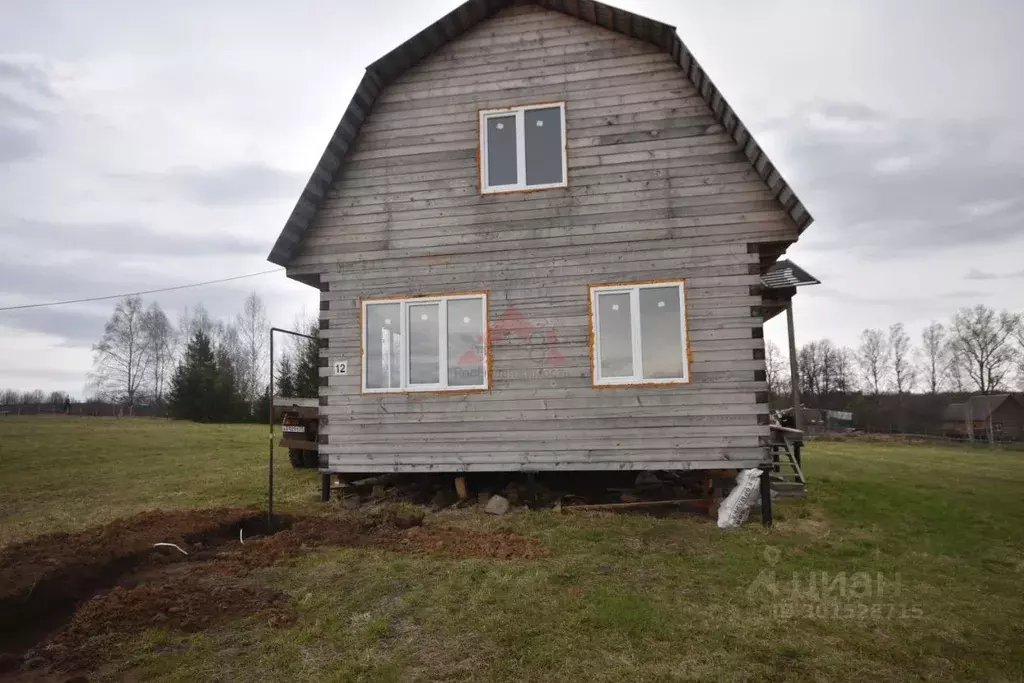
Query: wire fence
{"x": 84, "y": 409}
{"x": 909, "y": 437}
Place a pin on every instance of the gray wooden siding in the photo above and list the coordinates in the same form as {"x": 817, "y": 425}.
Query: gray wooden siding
{"x": 656, "y": 190}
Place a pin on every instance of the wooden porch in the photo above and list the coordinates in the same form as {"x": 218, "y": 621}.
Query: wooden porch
{"x": 779, "y": 285}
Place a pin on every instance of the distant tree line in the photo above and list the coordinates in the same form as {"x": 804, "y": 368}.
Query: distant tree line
{"x": 201, "y": 369}
{"x": 35, "y": 397}
{"x": 893, "y": 383}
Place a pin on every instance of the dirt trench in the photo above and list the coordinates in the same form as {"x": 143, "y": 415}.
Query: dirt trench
{"x": 62, "y": 594}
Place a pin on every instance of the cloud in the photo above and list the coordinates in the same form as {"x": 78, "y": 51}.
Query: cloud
{"x": 73, "y": 326}
{"x": 30, "y": 77}
{"x": 124, "y": 238}
{"x": 26, "y": 103}
{"x": 238, "y": 184}
{"x": 975, "y": 274}
{"x": 972, "y": 294}
{"x": 892, "y": 184}
{"x": 18, "y": 144}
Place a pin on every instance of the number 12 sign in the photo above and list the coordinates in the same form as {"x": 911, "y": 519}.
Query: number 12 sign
{"x": 341, "y": 367}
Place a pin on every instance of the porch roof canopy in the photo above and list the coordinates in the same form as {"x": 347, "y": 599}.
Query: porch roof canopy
{"x": 780, "y": 282}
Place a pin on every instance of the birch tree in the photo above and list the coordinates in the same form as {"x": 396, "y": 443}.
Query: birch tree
{"x": 903, "y": 371}
{"x": 775, "y": 369}
{"x": 933, "y": 356}
{"x": 1019, "y": 335}
{"x": 253, "y": 331}
{"x": 982, "y": 341}
{"x": 159, "y": 339}
{"x": 121, "y": 359}
{"x": 873, "y": 358}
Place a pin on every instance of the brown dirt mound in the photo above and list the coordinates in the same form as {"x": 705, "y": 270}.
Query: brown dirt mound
{"x": 189, "y": 604}
{"x": 186, "y": 603}
{"x": 34, "y": 561}
{"x": 61, "y": 592}
{"x": 43, "y": 579}
{"x": 403, "y": 535}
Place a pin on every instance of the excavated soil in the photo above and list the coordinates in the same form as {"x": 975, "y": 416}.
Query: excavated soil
{"x": 62, "y": 596}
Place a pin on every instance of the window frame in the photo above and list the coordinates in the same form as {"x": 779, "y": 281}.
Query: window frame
{"x": 637, "y": 379}
{"x": 520, "y": 114}
{"x": 442, "y": 307}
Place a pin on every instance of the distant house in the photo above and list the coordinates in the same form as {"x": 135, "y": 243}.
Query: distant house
{"x": 970, "y": 419}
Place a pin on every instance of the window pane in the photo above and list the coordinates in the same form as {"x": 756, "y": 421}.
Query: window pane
{"x": 543, "y": 146}
{"x": 615, "y": 338}
{"x": 466, "y": 343}
{"x": 383, "y": 346}
{"x": 502, "y": 168}
{"x": 661, "y": 335}
{"x": 424, "y": 349}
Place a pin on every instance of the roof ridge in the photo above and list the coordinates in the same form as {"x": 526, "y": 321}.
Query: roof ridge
{"x": 453, "y": 25}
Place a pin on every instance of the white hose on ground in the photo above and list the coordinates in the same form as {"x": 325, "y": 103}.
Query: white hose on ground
{"x": 170, "y": 545}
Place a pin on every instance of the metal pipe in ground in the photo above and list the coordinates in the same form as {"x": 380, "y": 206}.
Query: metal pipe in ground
{"x": 270, "y": 425}
{"x": 766, "y": 496}
{"x": 270, "y": 440}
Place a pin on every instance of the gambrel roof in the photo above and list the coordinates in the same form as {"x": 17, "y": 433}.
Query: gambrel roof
{"x": 391, "y": 66}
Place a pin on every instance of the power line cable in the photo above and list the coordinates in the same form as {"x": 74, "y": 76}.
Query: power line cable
{"x": 148, "y": 291}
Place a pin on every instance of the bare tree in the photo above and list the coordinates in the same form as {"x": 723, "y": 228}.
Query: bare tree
{"x": 954, "y": 369}
{"x": 830, "y": 364}
{"x": 121, "y": 359}
{"x": 775, "y": 369}
{"x": 10, "y": 397}
{"x": 981, "y": 340}
{"x": 809, "y": 362}
{"x": 33, "y": 398}
{"x": 903, "y": 371}
{"x": 873, "y": 358}
{"x": 844, "y": 380}
{"x": 825, "y": 369}
{"x": 199, "y": 319}
{"x": 159, "y": 335}
{"x": 933, "y": 356}
{"x": 253, "y": 330}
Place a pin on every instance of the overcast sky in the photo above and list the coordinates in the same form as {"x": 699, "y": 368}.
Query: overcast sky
{"x": 153, "y": 144}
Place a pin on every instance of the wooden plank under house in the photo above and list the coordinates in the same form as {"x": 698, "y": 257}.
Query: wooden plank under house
{"x": 544, "y": 241}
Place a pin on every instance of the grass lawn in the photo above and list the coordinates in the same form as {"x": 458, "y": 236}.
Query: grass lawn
{"x": 906, "y": 562}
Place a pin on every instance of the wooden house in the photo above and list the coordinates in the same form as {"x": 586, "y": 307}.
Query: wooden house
{"x": 996, "y": 416}
{"x": 540, "y": 233}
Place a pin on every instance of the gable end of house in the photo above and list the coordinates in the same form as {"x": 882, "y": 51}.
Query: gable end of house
{"x": 455, "y": 24}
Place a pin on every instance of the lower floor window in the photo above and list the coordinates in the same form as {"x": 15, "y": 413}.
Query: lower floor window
{"x": 425, "y": 343}
{"x": 639, "y": 333}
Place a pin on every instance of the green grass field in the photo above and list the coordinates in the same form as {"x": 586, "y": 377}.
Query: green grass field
{"x": 939, "y": 530}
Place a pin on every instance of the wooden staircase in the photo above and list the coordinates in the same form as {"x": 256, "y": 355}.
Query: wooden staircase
{"x": 787, "y": 477}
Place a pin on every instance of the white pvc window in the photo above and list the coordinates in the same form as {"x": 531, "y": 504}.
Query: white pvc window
{"x": 425, "y": 344}
{"x": 523, "y": 148}
{"x": 639, "y": 334}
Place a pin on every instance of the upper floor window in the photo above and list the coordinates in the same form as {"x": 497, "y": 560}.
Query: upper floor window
{"x": 523, "y": 148}
{"x": 435, "y": 343}
{"x": 639, "y": 333}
